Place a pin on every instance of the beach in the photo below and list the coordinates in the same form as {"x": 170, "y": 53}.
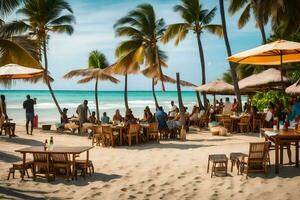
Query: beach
{"x": 169, "y": 170}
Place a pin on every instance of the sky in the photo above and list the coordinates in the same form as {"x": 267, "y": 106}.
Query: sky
{"x": 94, "y": 31}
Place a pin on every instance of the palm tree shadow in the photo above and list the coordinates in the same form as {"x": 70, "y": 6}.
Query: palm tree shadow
{"x": 22, "y": 141}
{"x": 12, "y": 193}
{"x": 8, "y": 158}
{"x": 154, "y": 145}
{"x": 285, "y": 172}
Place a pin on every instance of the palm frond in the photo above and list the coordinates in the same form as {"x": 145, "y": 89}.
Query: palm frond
{"x": 236, "y": 5}
{"x": 209, "y": 16}
{"x": 214, "y": 29}
{"x": 127, "y": 46}
{"x": 245, "y": 16}
{"x": 178, "y": 31}
{"x": 62, "y": 29}
{"x": 65, "y": 19}
{"x": 14, "y": 28}
{"x": 7, "y": 6}
{"x": 97, "y": 60}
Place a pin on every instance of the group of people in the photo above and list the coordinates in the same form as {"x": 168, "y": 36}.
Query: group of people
{"x": 5, "y": 122}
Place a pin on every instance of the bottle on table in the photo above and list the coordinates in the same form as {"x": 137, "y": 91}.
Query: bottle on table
{"x": 286, "y": 123}
{"x": 51, "y": 143}
{"x": 46, "y": 145}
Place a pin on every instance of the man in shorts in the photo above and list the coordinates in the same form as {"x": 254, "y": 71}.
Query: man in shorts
{"x": 28, "y": 105}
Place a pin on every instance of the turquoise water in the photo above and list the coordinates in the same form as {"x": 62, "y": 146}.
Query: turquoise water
{"x": 109, "y": 101}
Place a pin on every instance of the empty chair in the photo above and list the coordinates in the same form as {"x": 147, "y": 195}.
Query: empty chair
{"x": 97, "y": 136}
{"x": 134, "y": 131}
{"x": 61, "y": 161}
{"x": 244, "y": 124}
{"x": 109, "y": 136}
{"x": 19, "y": 166}
{"x": 153, "y": 131}
{"x": 40, "y": 164}
{"x": 227, "y": 123}
{"x": 258, "y": 158}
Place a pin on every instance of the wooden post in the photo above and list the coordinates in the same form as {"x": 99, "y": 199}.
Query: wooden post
{"x": 181, "y": 109}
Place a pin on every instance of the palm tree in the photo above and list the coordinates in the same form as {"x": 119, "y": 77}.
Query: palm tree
{"x": 97, "y": 64}
{"x": 15, "y": 48}
{"x": 232, "y": 66}
{"x": 144, "y": 31}
{"x": 259, "y": 10}
{"x": 43, "y": 17}
{"x": 196, "y": 20}
{"x": 97, "y": 60}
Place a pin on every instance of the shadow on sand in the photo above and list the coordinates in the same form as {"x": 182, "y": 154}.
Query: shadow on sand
{"x": 9, "y": 158}
{"x": 22, "y": 141}
{"x": 285, "y": 171}
{"x": 12, "y": 193}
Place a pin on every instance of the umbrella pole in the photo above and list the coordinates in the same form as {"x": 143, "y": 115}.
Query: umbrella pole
{"x": 214, "y": 101}
{"x": 281, "y": 73}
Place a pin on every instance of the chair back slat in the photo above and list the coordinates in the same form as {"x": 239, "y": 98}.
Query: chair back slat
{"x": 97, "y": 129}
{"x": 153, "y": 127}
{"x": 59, "y": 158}
{"x": 245, "y": 119}
{"x": 107, "y": 129}
{"x": 40, "y": 157}
{"x": 258, "y": 151}
{"x": 134, "y": 129}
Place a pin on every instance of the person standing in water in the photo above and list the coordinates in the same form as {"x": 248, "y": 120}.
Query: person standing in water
{"x": 28, "y": 105}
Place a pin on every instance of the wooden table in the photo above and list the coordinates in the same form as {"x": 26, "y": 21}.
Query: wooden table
{"x": 121, "y": 129}
{"x": 56, "y": 150}
{"x": 234, "y": 123}
{"x": 284, "y": 136}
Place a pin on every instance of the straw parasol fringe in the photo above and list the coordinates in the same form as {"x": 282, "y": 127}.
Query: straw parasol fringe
{"x": 267, "y": 79}
{"x": 294, "y": 89}
{"x": 216, "y": 87}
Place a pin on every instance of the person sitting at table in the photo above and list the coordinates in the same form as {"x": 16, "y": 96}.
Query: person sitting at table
{"x": 227, "y": 107}
{"x": 65, "y": 122}
{"x": 104, "y": 118}
{"x": 161, "y": 117}
{"x": 92, "y": 118}
{"x": 129, "y": 118}
{"x": 193, "y": 117}
{"x": 148, "y": 116}
{"x": 117, "y": 116}
{"x": 270, "y": 116}
{"x": 173, "y": 109}
{"x": 4, "y": 117}
{"x": 174, "y": 123}
{"x": 235, "y": 105}
{"x": 246, "y": 108}
{"x": 295, "y": 111}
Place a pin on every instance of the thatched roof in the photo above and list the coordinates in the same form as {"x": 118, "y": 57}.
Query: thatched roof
{"x": 294, "y": 89}
{"x": 216, "y": 87}
{"x": 270, "y": 78}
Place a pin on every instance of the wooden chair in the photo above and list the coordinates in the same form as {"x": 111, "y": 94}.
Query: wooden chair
{"x": 97, "y": 136}
{"x": 204, "y": 119}
{"x": 61, "y": 161}
{"x": 133, "y": 131}
{"x": 19, "y": 166}
{"x": 153, "y": 131}
{"x": 256, "y": 124}
{"x": 244, "y": 124}
{"x": 258, "y": 158}
{"x": 81, "y": 165}
{"x": 227, "y": 123}
{"x": 40, "y": 164}
{"x": 109, "y": 137}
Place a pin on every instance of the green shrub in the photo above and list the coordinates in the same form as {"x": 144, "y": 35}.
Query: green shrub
{"x": 262, "y": 99}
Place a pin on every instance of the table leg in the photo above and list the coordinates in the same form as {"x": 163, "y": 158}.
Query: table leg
{"x": 74, "y": 174}
{"x": 121, "y": 137}
{"x": 281, "y": 154}
{"x": 87, "y": 162}
{"x": 297, "y": 154}
{"x": 48, "y": 167}
{"x": 23, "y": 171}
{"x": 276, "y": 158}
{"x": 147, "y": 132}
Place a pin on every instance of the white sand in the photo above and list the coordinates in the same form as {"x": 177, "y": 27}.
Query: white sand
{"x": 169, "y": 170}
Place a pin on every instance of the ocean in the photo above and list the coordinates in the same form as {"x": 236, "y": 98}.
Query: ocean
{"x": 109, "y": 101}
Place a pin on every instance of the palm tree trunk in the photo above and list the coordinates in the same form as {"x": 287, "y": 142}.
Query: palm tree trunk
{"x": 160, "y": 70}
{"x": 263, "y": 33}
{"x": 180, "y": 102}
{"x": 232, "y": 66}
{"x": 154, "y": 95}
{"x": 125, "y": 94}
{"x": 201, "y": 53}
{"x": 96, "y": 99}
{"x": 199, "y": 100}
{"x": 46, "y": 76}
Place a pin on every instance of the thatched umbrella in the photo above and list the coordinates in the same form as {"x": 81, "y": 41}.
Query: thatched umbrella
{"x": 156, "y": 77}
{"x": 11, "y": 72}
{"x": 294, "y": 89}
{"x": 274, "y": 53}
{"x": 96, "y": 74}
{"x": 270, "y": 78}
{"x": 216, "y": 87}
